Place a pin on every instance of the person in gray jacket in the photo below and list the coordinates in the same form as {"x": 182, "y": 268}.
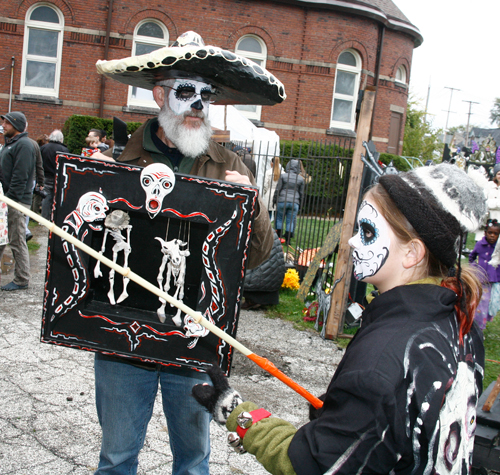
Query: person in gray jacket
{"x": 18, "y": 167}
{"x": 289, "y": 196}
{"x": 49, "y": 153}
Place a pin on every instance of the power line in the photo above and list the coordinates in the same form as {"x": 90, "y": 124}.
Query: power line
{"x": 449, "y": 107}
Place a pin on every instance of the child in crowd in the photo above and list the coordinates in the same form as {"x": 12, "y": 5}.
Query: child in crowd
{"x": 483, "y": 250}
{"x": 92, "y": 143}
{"x": 403, "y": 398}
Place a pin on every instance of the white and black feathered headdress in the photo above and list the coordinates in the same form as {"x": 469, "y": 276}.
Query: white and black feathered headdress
{"x": 441, "y": 202}
{"x": 237, "y": 79}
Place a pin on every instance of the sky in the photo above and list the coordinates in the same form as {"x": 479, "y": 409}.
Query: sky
{"x": 460, "y": 51}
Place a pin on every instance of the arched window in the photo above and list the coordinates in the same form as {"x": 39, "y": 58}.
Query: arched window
{"x": 252, "y": 47}
{"x": 149, "y": 35}
{"x": 42, "y": 50}
{"x": 401, "y": 75}
{"x": 345, "y": 91}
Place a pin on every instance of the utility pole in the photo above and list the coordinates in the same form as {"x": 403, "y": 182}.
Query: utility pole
{"x": 449, "y": 108}
{"x": 468, "y": 121}
{"x": 427, "y": 101}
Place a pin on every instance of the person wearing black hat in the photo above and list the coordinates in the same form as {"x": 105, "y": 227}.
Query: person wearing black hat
{"x": 403, "y": 398}
{"x": 185, "y": 79}
{"x": 18, "y": 162}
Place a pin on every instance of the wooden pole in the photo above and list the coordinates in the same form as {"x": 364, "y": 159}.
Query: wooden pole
{"x": 493, "y": 395}
{"x": 343, "y": 268}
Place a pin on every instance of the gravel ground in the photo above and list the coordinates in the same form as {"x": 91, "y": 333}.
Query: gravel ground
{"x": 48, "y": 422}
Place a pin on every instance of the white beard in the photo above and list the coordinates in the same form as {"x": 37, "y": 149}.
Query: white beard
{"x": 190, "y": 142}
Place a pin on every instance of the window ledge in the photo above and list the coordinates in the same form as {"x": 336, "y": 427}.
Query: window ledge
{"x": 256, "y": 122}
{"x": 40, "y": 99}
{"x": 341, "y": 132}
{"x": 141, "y": 110}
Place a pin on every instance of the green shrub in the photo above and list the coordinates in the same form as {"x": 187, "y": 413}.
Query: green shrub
{"x": 308, "y": 149}
{"x": 77, "y": 127}
{"x": 400, "y": 163}
{"x": 327, "y": 166}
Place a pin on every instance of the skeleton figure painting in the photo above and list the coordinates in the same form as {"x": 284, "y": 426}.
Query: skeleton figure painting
{"x": 115, "y": 223}
{"x": 90, "y": 211}
{"x": 174, "y": 260}
{"x": 187, "y": 235}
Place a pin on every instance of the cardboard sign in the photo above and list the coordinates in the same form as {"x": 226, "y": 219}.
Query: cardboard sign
{"x": 188, "y": 235}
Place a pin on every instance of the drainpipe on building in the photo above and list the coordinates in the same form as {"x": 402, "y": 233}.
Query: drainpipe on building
{"x": 11, "y": 80}
{"x": 380, "y": 49}
{"x": 106, "y": 49}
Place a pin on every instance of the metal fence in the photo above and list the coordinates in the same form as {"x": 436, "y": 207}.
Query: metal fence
{"x": 325, "y": 168}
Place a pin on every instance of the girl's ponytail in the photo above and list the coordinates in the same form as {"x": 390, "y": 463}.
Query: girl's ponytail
{"x": 469, "y": 291}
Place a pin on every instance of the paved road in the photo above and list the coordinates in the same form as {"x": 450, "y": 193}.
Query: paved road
{"x": 48, "y": 422}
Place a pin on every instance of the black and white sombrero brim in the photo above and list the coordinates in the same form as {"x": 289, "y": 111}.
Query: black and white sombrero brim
{"x": 238, "y": 79}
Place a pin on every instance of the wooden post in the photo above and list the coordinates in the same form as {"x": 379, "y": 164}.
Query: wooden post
{"x": 343, "y": 268}
{"x": 493, "y": 395}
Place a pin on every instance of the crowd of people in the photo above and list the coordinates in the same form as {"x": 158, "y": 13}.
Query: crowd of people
{"x": 27, "y": 175}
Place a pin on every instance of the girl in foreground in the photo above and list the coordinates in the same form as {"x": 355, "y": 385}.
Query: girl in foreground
{"x": 403, "y": 399}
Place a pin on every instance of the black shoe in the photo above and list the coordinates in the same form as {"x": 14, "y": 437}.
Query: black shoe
{"x": 11, "y": 286}
{"x": 249, "y": 305}
{"x": 28, "y": 236}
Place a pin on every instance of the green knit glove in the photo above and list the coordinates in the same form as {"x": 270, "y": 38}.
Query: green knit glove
{"x": 267, "y": 439}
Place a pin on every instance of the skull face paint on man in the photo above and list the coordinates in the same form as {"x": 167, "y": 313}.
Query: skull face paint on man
{"x": 371, "y": 243}
{"x": 187, "y": 94}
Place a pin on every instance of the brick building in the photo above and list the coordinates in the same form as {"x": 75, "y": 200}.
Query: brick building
{"x": 325, "y": 53}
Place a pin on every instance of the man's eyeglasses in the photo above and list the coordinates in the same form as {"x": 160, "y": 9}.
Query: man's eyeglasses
{"x": 184, "y": 93}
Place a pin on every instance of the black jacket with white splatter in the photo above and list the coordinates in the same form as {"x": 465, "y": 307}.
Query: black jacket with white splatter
{"x": 403, "y": 397}
{"x": 402, "y": 401}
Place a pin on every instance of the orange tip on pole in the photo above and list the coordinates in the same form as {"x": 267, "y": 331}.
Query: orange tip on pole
{"x": 265, "y": 364}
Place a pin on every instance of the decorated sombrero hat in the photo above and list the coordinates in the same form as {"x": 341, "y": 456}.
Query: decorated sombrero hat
{"x": 238, "y": 79}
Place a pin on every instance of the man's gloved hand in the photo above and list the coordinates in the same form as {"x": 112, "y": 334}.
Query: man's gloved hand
{"x": 220, "y": 399}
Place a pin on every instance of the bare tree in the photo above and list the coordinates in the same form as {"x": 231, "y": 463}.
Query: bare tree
{"x": 495, "y": 112}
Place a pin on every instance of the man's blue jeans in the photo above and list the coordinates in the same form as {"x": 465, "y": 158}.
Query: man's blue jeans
{"x": 125, "y": 397}
{"x": 290, "y": 211}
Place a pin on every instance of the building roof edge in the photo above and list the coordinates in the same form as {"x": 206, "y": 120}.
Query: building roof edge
{"x": 367, "y": 9}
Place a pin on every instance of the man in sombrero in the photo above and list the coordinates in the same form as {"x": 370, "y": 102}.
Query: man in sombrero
{"x": 185, "y": 79}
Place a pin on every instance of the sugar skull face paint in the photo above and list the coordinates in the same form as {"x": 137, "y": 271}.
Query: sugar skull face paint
{"x": 186, "y": 94}
{"x": 371, "y": 244}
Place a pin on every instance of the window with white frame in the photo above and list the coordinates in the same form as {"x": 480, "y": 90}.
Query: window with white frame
{"x": 42, "y": 50}
{"x": 149, "y": 35}
{"x": 253, "y": 48}
{"x": 401, "y": 75}
{"x": 345, "y": 91}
